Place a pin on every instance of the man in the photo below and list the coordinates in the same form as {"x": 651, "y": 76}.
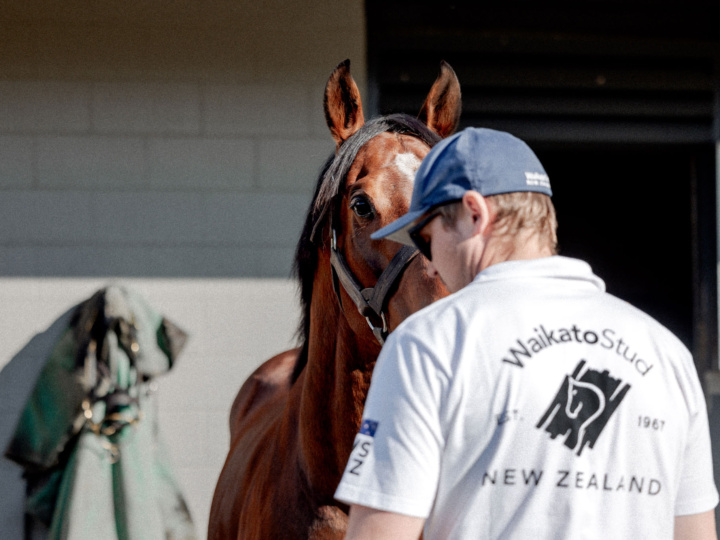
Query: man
{"x": 529, "y": 404}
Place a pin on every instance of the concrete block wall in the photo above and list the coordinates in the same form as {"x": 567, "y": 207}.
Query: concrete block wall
{"x": 172, "y": 147}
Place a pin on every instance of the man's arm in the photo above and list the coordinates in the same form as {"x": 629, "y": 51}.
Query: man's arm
{"x": 695, "y": 526}
{"x": 369, "y": 523}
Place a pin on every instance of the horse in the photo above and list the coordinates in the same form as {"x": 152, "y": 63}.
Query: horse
{"x": 293, "y": 422}
{"x": 582, "y": 407}
{"x": 585, "y": 404}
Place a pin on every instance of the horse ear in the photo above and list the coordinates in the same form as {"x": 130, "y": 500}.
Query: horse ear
{"x": 442, "y": 107}
{"x": 342, "y": 104}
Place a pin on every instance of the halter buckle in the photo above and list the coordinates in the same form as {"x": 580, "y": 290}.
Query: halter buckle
{"x": 384, "y": 323}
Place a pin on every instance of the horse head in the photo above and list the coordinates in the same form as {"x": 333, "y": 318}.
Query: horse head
{"x": 585, "y": 403}
{"x": 366, "y": 185}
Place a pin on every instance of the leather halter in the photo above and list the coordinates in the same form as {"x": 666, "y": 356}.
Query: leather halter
{"x": 370, "y": 301}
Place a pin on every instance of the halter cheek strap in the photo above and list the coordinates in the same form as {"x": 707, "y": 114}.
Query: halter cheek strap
{"x": 370, "y": 301}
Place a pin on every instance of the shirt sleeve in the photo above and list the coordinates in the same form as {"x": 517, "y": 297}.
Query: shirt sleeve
{"x": 395, "y": 462}
{"x": 697, "y": 492}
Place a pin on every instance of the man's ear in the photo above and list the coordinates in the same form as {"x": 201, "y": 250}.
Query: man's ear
{"x": 479, "y": 210}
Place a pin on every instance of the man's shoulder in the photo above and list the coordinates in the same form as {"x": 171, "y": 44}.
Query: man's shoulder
{"x": 448, "y": 316}
{"x": 641, "y": 319}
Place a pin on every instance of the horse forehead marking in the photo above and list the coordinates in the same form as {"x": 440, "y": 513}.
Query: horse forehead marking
{"x": 408, "y": 164}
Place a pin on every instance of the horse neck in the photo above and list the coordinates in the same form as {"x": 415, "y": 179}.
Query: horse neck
{"x": 335, "y": 383}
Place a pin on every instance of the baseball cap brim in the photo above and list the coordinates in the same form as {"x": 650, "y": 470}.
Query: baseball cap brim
{"x": 398, "y": 229}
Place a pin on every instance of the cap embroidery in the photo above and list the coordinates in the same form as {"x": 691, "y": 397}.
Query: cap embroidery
{"x": 537, "y": 179}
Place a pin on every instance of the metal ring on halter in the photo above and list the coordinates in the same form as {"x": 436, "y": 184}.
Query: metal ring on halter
{"x": 384, "y": 323}
{"x": 370, "y": 302}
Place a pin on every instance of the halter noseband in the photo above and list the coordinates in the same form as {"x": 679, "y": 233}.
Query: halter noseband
{"x": 371, "y": 301}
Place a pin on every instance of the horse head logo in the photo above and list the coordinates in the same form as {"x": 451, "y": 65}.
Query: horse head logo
{"x": 583, "y": 406}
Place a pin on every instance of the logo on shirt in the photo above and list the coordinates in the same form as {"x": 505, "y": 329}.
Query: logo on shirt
{"x": 368, "y": 427}
{"x": 582, "y": 407}
{"x": 362, "y": 447}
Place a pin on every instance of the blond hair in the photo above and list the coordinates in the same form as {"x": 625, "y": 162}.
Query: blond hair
{"x": 520, "y": 211}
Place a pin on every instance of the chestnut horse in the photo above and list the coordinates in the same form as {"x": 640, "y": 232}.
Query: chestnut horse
{"x": 294, "y": 420}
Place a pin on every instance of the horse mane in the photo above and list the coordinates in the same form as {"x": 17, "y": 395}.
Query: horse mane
{"x": 329, "y": 184}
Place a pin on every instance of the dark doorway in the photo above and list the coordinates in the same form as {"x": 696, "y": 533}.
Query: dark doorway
{"x": 620, "y": 109}
{"x": 628, "y": 212}
{"x": 644, "y": 217}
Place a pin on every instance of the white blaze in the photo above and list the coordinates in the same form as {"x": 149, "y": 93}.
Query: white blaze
{"x": 408, "y": 165}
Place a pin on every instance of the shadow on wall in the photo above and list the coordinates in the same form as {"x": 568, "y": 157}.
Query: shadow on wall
{"x": 17, "y": 380}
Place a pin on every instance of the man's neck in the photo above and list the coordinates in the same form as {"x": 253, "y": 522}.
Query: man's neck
{"x": 525, "y": 245}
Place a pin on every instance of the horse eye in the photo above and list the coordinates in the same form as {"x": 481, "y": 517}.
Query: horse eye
{"x": 362, "y": 208}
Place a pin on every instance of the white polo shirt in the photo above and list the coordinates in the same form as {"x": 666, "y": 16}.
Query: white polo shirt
{"x": 532, "y": 404}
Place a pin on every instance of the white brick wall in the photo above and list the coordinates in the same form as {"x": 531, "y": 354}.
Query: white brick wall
{"x": 172, "y": 146}
{"x": 16, "y": 161}
{"x": 90, "y": 161}
{"x": 44, "y": 106}
{"x": 202, "y": 163}
{"x": 167, "y": 108}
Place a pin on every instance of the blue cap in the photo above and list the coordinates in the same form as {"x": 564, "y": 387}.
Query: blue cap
{"x": 484, "y": 160}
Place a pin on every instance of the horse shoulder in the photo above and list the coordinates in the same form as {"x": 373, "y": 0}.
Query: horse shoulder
{"x": 330, "y": 524}
{"x": 273, "y": 376}
{"x": 239, "y": 504}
